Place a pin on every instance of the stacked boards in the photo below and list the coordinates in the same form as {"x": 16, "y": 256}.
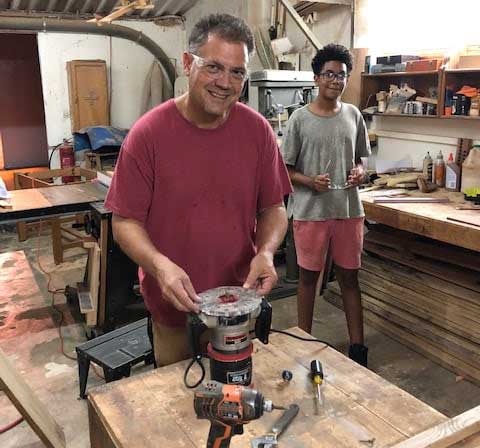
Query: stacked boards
{"x": 423, "y": 294}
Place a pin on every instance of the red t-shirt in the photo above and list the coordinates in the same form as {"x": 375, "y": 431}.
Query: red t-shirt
{"x": 197, "y": 193}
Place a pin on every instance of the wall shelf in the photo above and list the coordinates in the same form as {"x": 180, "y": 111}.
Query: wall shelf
{"x": 454, "y": 79}
{"x": 400, "y": 74}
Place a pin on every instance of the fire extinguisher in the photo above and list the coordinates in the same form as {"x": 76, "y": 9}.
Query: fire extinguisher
{"x": 67, "y": 159}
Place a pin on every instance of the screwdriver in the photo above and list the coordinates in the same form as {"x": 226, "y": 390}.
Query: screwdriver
{"x": 317, "y": 377}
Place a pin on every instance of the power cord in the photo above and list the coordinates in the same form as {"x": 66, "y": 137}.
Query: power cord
{"x": 11, "y": 425}
{"x": 54, "y": 292}
{"x": 198, "y": 359}
{"x": 272, "y": 330}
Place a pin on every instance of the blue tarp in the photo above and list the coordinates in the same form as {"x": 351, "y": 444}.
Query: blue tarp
{"x": 99, "y": 138}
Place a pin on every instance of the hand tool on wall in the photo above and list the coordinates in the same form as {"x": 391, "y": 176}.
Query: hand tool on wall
{"x": 270, "y": 440}
{"x": 316, "y": 372}
{"x": 228, "y": 407}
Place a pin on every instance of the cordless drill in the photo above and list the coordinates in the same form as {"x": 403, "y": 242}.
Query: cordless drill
{"x": 228, "y": 406}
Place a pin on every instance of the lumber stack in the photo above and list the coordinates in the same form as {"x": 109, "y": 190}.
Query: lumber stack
{"x": 423, "y": 294}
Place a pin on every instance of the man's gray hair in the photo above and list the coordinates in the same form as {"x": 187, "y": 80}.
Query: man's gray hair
{"x": 225, "y": 26}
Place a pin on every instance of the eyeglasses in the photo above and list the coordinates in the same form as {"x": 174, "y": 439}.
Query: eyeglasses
{"x": 217, "y": 71}
{"x": 330, "y": 76}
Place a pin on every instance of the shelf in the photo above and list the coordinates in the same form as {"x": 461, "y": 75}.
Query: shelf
{"x": 379, "y": 114}
{"x": 397, "y": 74}
{"x": 442, "y": 117}
{"x": 462, "y": 70}
{"x": 460, "y": 117}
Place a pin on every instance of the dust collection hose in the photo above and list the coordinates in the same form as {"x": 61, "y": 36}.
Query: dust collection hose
{"x": 57, "y": 25}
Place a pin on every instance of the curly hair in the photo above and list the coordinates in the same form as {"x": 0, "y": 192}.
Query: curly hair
{"x": 225, "y": 26}
{"x": 332, "y": 52}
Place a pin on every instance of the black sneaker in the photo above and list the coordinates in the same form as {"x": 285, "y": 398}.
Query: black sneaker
{"x": 358, "y": 353}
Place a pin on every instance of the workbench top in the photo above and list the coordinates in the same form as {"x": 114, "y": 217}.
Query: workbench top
{"x": 428, "y": 219}
{"x": 154, "y": 409}
{"x": 35, "y": 203}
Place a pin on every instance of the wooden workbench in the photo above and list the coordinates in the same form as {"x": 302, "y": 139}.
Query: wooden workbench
{"x": 155, "y": 409}
{"x": 35, "y": 203}
{"x": 427, "y": 219}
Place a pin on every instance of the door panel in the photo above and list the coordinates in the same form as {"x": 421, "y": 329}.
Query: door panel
{"x": 88, "y": 91}
{"x": 22, "y": 117}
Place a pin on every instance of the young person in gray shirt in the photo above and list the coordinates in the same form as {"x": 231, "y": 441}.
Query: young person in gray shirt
{"x": 322, "y": 148}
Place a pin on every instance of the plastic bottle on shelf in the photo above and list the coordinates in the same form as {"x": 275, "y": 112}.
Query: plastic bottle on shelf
{"x": 452, "y": 175}
{"x": 439, "y": 170}
{"x": 427, "y": 167}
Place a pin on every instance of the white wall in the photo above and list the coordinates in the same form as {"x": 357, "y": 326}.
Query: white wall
{"x": 202, "y": 8}
{"x": 127, "y": 62}
{"x": 394, "y": 149}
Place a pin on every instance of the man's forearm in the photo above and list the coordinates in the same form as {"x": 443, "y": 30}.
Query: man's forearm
{"x": 297, "y": 178}
{"x": 271, "y": 229}
{"x": 135, "y": 242}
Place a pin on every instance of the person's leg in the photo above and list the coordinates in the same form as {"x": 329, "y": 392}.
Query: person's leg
{"x": 347, "y": 244}
{"x": 170, "y": 344}
{"x": 307, "y": 288}
{"x": 348, "y": 282}
{"x": 311, "y": 244}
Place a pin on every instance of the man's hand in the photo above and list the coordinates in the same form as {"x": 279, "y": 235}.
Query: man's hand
{"x": 321, "y": 182}
{"x": 176, "y": 286}
{"x": 356, "y": 177}
{"x": 262, "y": 275}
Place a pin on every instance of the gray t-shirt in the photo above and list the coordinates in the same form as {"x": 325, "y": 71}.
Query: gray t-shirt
{"x": 316, "y": 145}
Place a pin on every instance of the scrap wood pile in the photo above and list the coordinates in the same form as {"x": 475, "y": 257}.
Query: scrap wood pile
{"x": 424, "y": 294}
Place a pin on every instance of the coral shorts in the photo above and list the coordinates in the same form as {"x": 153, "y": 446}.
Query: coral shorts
{"x": 343, "y": 236}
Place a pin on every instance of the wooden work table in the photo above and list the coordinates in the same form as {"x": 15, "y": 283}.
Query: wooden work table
{"x": 427, "y": 219}
{"x": 35, "y": 203}
{"x": 155, "y": 409}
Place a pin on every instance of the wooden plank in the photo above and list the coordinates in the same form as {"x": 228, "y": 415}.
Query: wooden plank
{"x": 26, "y": 402}
{"x": 57, "y": 241}
{"x": 418, "y": 281}
{"x": 473, "y": 220}
{"x": 447, "y": 433}
{"x": 301, "y": 24}
{"x": 93, "y": 282}
{"x": 439, "y": 315}
{"x": 409, "y": 200}
{"x": 461, "y": 278}
{"x": 102, "y": 299}
{"x": 418, "y": 344}
{"x": 426, "y": 219}
{"x": 459, "y": 347}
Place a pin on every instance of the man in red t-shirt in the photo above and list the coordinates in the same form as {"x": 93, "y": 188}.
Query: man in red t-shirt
{"x": 197, "y": 195}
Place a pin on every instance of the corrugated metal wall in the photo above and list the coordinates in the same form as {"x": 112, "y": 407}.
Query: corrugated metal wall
{"x": 85, "y": 8}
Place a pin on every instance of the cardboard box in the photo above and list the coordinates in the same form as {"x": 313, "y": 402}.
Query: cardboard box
{"x": 470, "y": 61}
{"x": 423, "y": 65}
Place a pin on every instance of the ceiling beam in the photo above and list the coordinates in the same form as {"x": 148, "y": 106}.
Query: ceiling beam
{"x": 301, "y": 24}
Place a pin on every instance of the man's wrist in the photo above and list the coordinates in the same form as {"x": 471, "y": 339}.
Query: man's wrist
{"x": 266, "y": 252}
{"x": 159, "y": 263}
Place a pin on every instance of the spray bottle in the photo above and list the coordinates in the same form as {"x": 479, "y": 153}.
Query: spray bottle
{"x": 452, "y": 176}
{"x": 439, "y": 170}
{"x": 427, "y": 167}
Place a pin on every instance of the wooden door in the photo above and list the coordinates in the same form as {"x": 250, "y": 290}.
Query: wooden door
{"x": 88, "y": 91}
{"x": 23, "y": 135}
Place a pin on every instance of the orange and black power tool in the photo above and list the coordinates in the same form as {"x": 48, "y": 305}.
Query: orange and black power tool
{"x": 228, "y": 406}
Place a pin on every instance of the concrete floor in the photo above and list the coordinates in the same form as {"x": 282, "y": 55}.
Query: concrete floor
{"x": 30, "y": 338}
